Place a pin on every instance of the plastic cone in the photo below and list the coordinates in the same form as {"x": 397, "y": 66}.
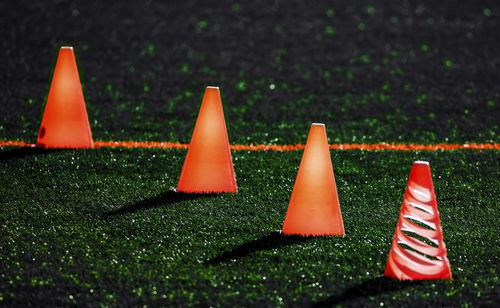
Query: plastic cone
{"x": 419, "y": 204}
{"x": 65, "y": 123}
{"x": 314, "y": 207}
{"x": 208, "y": 166}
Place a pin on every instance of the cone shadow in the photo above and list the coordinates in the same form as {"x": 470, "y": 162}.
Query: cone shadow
{"x": 367, "y": 288}
{"x": 167, "y": 198}
{"x": 22, "y": 152}
{"x": 271, "y": 241}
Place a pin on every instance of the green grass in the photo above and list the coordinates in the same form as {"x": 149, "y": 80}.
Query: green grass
{"x": 91, "y": 227}
{"x": 104, "y": 227}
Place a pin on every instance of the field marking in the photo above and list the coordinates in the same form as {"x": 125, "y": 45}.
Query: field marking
{"x": 383, "y": 146}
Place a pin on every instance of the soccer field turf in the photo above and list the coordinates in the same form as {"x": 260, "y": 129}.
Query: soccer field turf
{"x": 104, "y": 226}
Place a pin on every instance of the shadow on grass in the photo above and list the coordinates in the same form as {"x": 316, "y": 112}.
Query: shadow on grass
{"x": 163, "y": 199}
{"x": 22, "y": 152}
{"x": 367, "y": 288}
{"x": 271, "y": 241}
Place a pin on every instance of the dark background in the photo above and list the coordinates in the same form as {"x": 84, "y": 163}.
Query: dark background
{"x": 394, "y": 71}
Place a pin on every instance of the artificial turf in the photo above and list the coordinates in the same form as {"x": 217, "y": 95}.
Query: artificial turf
{"x": 418, "y": 71}
{"x": 104, "y": 226}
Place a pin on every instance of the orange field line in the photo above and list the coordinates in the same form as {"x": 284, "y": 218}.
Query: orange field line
{"x": 275, "y": 147}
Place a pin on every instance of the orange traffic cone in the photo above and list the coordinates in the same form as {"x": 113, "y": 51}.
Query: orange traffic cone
{"x": 65, "y": 123}
{"x": 208, "y": 166}
{"x": 420, "y": 216}
{"x": 314, "y": 207}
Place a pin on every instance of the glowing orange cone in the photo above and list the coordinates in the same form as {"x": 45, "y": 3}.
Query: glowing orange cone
{"x": 314, "y": 207}
{"x": 208, "y": 166}
{"x": 419, "y": 209}
{"x": 65, "y": 123}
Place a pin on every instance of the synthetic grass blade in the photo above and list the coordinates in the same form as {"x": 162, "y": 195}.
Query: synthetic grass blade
{"x": 419, "y": 216}
{"x": 208, "y": 166}
{"x": 314, "y": 207}
{"x": 65, "y": 123}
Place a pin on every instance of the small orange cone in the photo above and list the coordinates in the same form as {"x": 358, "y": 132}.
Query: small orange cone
{"x": 419, "y": 209}
{"x": 208, "y": 166}
{"x": 65, "y": 123}
{"x": 314, "y": 207}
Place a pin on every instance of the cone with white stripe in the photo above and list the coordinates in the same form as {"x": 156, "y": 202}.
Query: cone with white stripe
{"x": 418, "y": 250}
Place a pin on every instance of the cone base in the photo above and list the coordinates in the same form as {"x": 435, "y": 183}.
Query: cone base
{"x": 312, "y": 234}
{"x": 392, "y": 270}
{"x": 52, "y": 146}
{"x": 406, "y": 278}
{"x": 207, "y": 191}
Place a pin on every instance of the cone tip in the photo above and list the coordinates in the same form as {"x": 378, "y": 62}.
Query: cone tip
{"x": 213, "y": 87}
{"x": 421, "y": 162}
{"x": 67, "y": 47}
{"x": 318, "y": 124}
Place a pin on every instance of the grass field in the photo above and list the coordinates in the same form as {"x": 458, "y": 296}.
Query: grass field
{"x": 104, "y": 226}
